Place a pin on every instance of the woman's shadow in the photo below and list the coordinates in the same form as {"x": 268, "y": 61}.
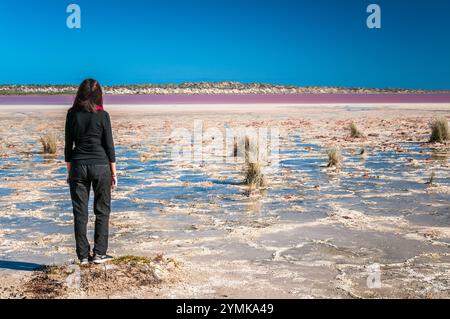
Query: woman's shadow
{"x": 19, "y": 265}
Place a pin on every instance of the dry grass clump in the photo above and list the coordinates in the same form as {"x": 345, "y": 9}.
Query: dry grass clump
{"x": 121, "y": 275}
{"x": 254, "y": 178}
{"x": 253, "y": 167}
{"x": 334, "y": 157}
{"x": 439, "y": 130}
{"x": 47, "y": 283}
{"x": 355, "y": 132}
{"x": 49, "y": 143}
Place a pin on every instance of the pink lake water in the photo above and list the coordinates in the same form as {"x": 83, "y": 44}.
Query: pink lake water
{"x": 236, "y": 99}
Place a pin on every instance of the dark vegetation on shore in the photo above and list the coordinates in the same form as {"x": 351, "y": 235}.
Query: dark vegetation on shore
{"x": 226, "y": 87}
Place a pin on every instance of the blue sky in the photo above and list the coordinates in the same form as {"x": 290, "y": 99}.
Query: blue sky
{"x": 311, "y": 42}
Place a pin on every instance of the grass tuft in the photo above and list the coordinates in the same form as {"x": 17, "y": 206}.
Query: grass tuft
{"x": 131, "y": 259}
{"x": 254, "y": 178}
{"x": 355, "y": 132}
{"x": 439, "y": 130}
{"x": 49, "y": 143}
{"x": 334, "y": 157}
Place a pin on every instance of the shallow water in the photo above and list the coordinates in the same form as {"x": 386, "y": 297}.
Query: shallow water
{"x": 380, "y": 183}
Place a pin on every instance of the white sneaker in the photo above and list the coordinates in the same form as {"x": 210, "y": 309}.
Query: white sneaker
{"x": 100, "y": 259}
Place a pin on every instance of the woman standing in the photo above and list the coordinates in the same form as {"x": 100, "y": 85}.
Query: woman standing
{"x": 90, "y": 157}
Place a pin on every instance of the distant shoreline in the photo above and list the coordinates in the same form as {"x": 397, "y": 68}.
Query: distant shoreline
{"x": 167, "y": 99}
{"x": 208, "y": 88}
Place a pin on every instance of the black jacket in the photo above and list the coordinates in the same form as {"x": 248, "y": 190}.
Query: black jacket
{"x": 92, "y": 135}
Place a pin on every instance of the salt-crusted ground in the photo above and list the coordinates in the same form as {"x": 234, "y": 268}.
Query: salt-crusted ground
{"x": 314, "y": 232}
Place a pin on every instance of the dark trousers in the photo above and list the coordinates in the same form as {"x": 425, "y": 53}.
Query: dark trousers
{"x": 81, "y": 178}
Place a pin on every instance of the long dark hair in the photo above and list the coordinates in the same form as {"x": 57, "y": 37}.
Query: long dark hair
{"x": 89, "y": 96}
